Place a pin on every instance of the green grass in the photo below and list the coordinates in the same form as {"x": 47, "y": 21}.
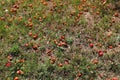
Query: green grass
{"x": 58, "y": 47}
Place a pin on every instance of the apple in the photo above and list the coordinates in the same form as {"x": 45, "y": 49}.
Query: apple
{"x": 91, "y": 45}
{"x": 110, "y": 47}
{"x": 95, "y": 61}
{"x": 116, "y": 14}
{"x": 16, "y": 78}
{"x": 114, "y": 78}
{"x": 35, "y": 47}
{"x": 66, "y": 62}
{"x": 100, "y": 53}
{"x": 60, "y": 64}
{"x": 79, "y": 74}
{"x": 8, "y": 64}
{"x": 35, "y": 36}
{"x": 30, "y": 5}
{"x": 19, "y": 72}
{"x": 26, "y": 45}
{"x": 30, "y": 33}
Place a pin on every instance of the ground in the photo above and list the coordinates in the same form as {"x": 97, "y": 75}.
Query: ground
{"x": 59, "y": 40}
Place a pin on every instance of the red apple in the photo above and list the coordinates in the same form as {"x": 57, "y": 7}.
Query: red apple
{"x": 35, "y": 36}
{"x": 8, "y": 64}
{"x": 19, "y": 72}
{"x": 91, "y": 45}
{"x": 35, "y": 47}
{"x": 110, "y": 47}
{"x": 26, "y": 45}
{"x": 16, "y": 78}
{"x": 60, "y": 64}
{"x": 100, "y": 53}
{"x": 30, "y": 33}
{"x": 114, "y": 78}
